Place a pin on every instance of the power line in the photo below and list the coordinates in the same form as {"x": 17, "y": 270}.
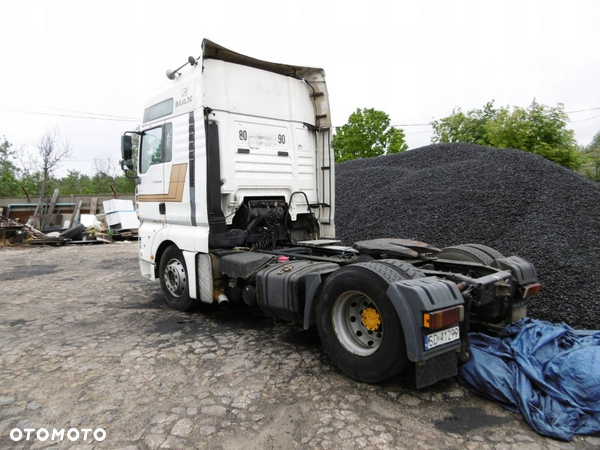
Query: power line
{"x": 95, "y": 159}
{"x": 585, "y": 120}
{"x": 412, "y": 125}
{"x": 69, "y": 115}
{"x": 419, "y": 132}
{"x": 582, "y": 110}
{"x": 110, "y": 117}
{"x": 73, "y": 111}
{"x": 400, "y": 125}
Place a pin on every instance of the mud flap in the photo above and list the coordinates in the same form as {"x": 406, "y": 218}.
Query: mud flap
{"x": 436, "y": 369}
{"x": 190, "y": 262}
{"x": 412, "y": 298}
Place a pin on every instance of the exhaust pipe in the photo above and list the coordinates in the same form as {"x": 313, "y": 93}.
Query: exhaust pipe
{"x": 221, "y": 299}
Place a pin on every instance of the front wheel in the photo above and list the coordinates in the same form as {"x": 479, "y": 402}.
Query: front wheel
{"x": 175, "y": 280}
{"x": 358, "y": 324}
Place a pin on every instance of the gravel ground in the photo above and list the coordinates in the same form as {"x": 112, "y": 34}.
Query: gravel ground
{"x": 85, "y": 342}
{"x": 519, "y": 203}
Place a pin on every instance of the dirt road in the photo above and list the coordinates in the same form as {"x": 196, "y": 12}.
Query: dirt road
{"x": 85, "y": 342}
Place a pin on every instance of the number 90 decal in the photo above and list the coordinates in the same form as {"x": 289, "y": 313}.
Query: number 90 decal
{"x": 243, "y": 135}
{"x": 281, "y": 138}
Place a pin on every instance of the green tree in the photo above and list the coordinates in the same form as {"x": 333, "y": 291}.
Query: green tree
{"x": 38, "y": 167}
{"x": 591, "y": 167}
{"x": 76, "y": 183}
{"x": 368, "y": 133}
{"x": 101, "y": 183}
{"x": 469, "y": 127}
{"x": 538, "y": 129}
{"x": 594, "y": 146}
{"x": 9, "y": 183}
{"x": 125, "y": 185}
{"x": 31, "y": 181}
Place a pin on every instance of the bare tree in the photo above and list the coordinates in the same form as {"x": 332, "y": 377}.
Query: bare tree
{"x": 107, "y": 166}
{"x": 26, "y": 159}
{"x": 52, "y": 148}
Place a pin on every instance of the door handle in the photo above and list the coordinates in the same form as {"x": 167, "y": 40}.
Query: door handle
{"x": 162, "y": 208}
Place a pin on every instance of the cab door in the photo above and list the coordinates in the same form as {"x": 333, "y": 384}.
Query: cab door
{"x": 154, "y": 151}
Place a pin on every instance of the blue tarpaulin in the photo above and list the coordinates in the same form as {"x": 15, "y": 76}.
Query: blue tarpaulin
{"x": 549, "y": 373}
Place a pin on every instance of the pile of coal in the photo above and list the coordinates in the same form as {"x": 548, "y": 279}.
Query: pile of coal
{"x": 517, "y": 202}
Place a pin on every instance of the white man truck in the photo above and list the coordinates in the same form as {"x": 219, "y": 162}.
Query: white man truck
{"x": 236, "y": 196}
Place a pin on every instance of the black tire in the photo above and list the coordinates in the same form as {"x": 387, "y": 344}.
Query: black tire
{"x": 180, "y": 299}
{"x": 73, "y": 232}
{"x": 405, "y": 270}
{"x": 493, "y": 253}
{"x": 371, "y": 280}
{"x": 476, "y": 253}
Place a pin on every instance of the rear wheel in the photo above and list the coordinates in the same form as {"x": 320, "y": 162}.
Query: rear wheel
{"x": 358, "y": 324}
{"x": 174, "y": 280}
{"x": 475, "y": 253}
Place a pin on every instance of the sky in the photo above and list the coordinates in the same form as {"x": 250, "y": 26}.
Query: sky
{"x": 416, "y": 60}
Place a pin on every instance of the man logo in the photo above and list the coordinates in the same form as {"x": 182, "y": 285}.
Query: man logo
{"x": 185, "y": 99}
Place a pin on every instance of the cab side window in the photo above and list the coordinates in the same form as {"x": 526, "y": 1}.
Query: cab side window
{"x": 156, "y": 147}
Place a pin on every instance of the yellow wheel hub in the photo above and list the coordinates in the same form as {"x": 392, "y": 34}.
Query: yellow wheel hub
{"x": 370, "y": 319}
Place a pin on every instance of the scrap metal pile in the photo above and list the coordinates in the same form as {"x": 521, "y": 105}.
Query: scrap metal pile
{"x": 51, "y": 226}
{"x": 519, "y": 203}
{"x": 14, "y": 232}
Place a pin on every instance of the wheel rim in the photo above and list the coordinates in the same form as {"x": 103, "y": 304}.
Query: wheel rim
{"x": 357, "y": 323}
{"x": 175, "y": 277}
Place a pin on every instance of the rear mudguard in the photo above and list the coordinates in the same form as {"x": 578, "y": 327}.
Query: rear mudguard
{"x": 523, "y": 271}
{"x": 313, "y": 284}
{"x": 412, "y": 298}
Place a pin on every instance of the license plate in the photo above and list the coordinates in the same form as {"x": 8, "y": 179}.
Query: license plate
{"x": 441, "y": 337}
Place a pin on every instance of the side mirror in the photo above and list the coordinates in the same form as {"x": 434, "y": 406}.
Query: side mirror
{"x": 127, "y": 167}
{"x": 126, "y": 148}
{"x": 126, "y": 164}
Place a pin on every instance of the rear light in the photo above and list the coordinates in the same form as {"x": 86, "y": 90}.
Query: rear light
{"x": 443, "y": 318}
{"x": 531, "y": 289}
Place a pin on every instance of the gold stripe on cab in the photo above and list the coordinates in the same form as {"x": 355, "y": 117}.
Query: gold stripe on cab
{"x": 176, "y": 183}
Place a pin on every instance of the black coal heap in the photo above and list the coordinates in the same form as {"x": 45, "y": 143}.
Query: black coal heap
{"x": 517, "y": 202}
